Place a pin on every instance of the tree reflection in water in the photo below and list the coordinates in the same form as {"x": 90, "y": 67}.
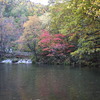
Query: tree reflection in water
{"x": 33, "y": 82}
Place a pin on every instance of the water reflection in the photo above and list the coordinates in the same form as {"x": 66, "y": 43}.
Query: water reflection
{"x": 33, "y": 82}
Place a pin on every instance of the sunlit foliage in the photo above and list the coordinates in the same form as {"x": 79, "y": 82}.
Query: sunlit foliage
{"x": 81, "y": 17}
{"x": 32, "y": 29}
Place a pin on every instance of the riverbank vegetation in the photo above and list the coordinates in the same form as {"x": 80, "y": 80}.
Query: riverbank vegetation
{"x": 62, "y": 32}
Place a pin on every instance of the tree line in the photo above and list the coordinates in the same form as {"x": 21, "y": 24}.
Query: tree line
{"x": 64, "y": 31}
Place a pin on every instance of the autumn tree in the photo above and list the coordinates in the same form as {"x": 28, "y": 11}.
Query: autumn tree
{"x": 10, "y": 27}
{"x": 8, "y": 33}
{"x": 32, "y": 29}
{"x": 54, "y": 49}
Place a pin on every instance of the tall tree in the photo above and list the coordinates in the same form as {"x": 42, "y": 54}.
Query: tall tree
{"x": 32, "y": 29}
{"x": 80, "y": 19}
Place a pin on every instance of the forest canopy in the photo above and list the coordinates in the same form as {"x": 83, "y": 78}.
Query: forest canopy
{"x": 62, "y": 31}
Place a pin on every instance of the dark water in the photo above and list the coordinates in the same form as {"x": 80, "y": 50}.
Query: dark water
{"x": 33, "y": 82}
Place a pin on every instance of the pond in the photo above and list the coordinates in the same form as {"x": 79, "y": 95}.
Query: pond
{"x": 45, "y": 82}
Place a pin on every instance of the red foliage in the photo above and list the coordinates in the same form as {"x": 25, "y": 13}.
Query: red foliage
{"x": 68, "y": 51}
{"x": 59, "y": 35}
{"x": 71, "y": 46}
{"x": 50, "y": 55}
{"x": 46, "y": 49}
{"x": 52, "y": 45}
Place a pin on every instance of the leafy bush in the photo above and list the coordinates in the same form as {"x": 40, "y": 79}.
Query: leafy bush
{"x": 53, "y": 49}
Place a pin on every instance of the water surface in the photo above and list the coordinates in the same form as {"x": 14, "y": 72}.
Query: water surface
{"x": 44, "y": 82}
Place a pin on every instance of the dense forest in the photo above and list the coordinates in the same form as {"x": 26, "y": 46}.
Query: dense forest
{"x": 62, "y": 32}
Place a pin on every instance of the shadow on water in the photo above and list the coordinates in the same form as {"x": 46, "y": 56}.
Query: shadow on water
{"x": 45, "y": 82}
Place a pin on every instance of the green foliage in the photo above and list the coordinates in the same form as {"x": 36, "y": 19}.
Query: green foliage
{"x": 34, "y": 60}
{"x": 81, "y": 17}
{"x": 15, "y": 8}
{"x": 77, "y": 20}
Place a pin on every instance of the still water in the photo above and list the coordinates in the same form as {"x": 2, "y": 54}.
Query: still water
{"x": 43, "y": 82}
